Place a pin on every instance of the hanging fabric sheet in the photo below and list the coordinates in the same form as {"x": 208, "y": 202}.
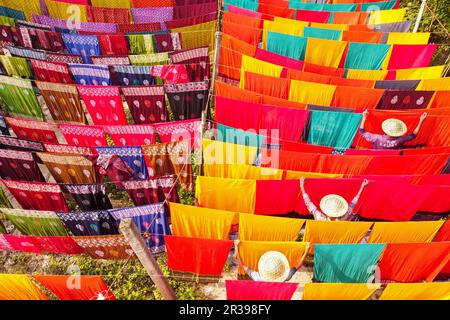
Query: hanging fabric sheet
{"x": 84, "y": 45}
{"x": 187, "y": 100}
{"x": 404, "y": 232}
{"x": 311, "y": 93}
{"x": 16, "y": 66}
{"x": 87, "y": 136}
{"x": 324, "y": 52}
{"x": 132, "y": 156}
{"x": 79, "y": 288}
{"x": 131, "y": 135}
{"x": 287, "y": 45}
{"x": 73, "y": 169}
{"x": 19, "y": 287}
{"x": 356, "y": 98}
{"x": 109, "y": 247}
{"x": 167, "y": 42}
{"x": 112, "y": 45}
{"x": 401, "y": 100}
{"x": 93, "y": 75}
{"x": 147, "y": 104}
{"x": 151, "y": 221}
{"x": 201, "y": 257}
{"x": 27, "y": 53}
{"x": 406, "y": 56}
{"x": 19, "y": 98}
{"x": 416, "y": 291}
{"x": 216, "y": 193}
{"x": 33, "y": 130}
{"x": 171, "y": 158}
{"x": 132, "y": 75}
{"x": 338, "y": 291}
{"x": 140, "y": 43}
{"x": 89, "y": 196}
{"x": 64, "y": 58}
{"x": 56, "y": 72}
{"x": 197, "y": 222}
{"x": 56, "y": 244}
{"x": 89, "y": 223}
{"x": 173, "y": 131}
{"x": 262, "y": 228}
{"x": 149, "y": 59}
{"x": 45, "y": 40}
{"x": 111, "y": 60}
{"x": 151, "y": 191}
{"x": 258, "y": 290}
{"x": 337, "y": 232}
{"x": 367, "y": 56}
{"x": 19, "y": 166}
{"x": 415, "y": 262}
{"x": 334, "y": 129}
{"x": 346, "y": 263}
{"x": 104, "y": 104}
{"x": 146, "y": 15}
{"x": 67, "y": 149}
{"x": 37, "y": 195}
{"x": 109, "y": 15}
{"x": 62, "y": 101}
{"x": 42, "y": 223}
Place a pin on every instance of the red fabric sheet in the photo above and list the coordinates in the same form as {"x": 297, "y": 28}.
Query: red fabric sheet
{"x": 324, "y": 70}
{"x": 435, "y": 150}
{"x": 275, "y": 10}
{"x": 290, "y": 123}
{"x": 33, "y": 130}
{"x": 434, "y": 179}
{"x": 276, "y": 196}
{"x": 313, "y": 16}
{"x": 319, "y": 188}
{"x": 76, "y": 287}
{"x": 438, "y": 201}
{"x": 444, "y": 233}
{"x": 198, "y": 256}
{"x": 399, "y": 201}
{"x": 385, "y": 178}
{"x": 406, "y": 56}
{"x": 404, "y": 165}
{"x": 414, "y": 262}
{"x": 131, "y": 135}
{"x": 244, "y": 12}
{"x": 238, "y": 114}
{"x": 305, "y": 147}
{"x": 23, "y": 243}
{"x": 259, "y": 290}
{"x": 80, "y": 135}
{"x": 54, "y": 244}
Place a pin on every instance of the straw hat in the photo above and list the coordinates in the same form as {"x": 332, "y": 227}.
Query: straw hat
{"x": 394, "y": 127}
{"x": 273, "y": 266}
{"x": 334, "y": 206}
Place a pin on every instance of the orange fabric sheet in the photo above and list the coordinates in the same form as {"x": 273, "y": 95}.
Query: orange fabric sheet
{"x": 352, "y": 82}
{"x": 308, "y": 76}
{"x": 362, "y": 36}
{"x": 242, "y": 32}
{"x": 441, "y": 99}
{"x": 229, "y": 91}
{"x": 356, "y": 98}
{"x": 324, "y": 70}
{"x": 266, "y": 85}
{"x": 231, "y": 56}
{"x": 407, "y": 232}
{"x": 350, "y": 17}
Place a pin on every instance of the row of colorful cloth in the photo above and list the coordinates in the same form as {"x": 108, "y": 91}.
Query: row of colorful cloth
{"x": 119, "y": 12}
{"x": 22, "y": 287}
{"x": 76, "y": 287}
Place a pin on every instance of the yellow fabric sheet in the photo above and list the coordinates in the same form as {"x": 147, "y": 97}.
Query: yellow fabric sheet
{"x": 387, "y": 16}
{"x": 366, "y": 74}
{"x": 198, "y": 35}
{"x": 111, "y": 4}
{"x": 332, "y": 26}
{"x": 197, "y": 222}
{"x": 28, "y": 7}
{"x": 311, "y": 92}
{"x": 218, "y": 152}
{"x": 226, "y": 194}
{"x": 242, "y": 171}
{"x": 280, "y": 25}
{"x": 299, "y": 174}
{"x": 19, "y": 287}
{"x": 417, "y": 291}
{"x": 434, "y": 84}
{"x": 253, "y": 65}
{"x": 264, "y": 228}
{"x": 62, "y": 10}
{"x": 335, "y": 231}
{"x": 324, "y": 52}
{"x": 420, "y": 73}
{"x": 251, "y": 251}
{"x": 404, "y": 232}
{"x": 338, "y": 291}
{"x": 408, "y": 38}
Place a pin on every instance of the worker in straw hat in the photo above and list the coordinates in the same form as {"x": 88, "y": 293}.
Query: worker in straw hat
{"x": 273, "y": 266}
{"x": 332, "y": 206}
{"x": 394, "y": 129}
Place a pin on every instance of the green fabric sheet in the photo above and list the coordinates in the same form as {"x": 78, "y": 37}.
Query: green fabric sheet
{"x": 346, "y": 263}
{"x": 37, "y": 226}
{"x": 333, "y": 129}
{"x": 366, "y": 56}
{"x": 238, "y": 136}
{"x": 287, "y": 45}
{"x": 245, "y": 4}
{"x": 329, "y": 34}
